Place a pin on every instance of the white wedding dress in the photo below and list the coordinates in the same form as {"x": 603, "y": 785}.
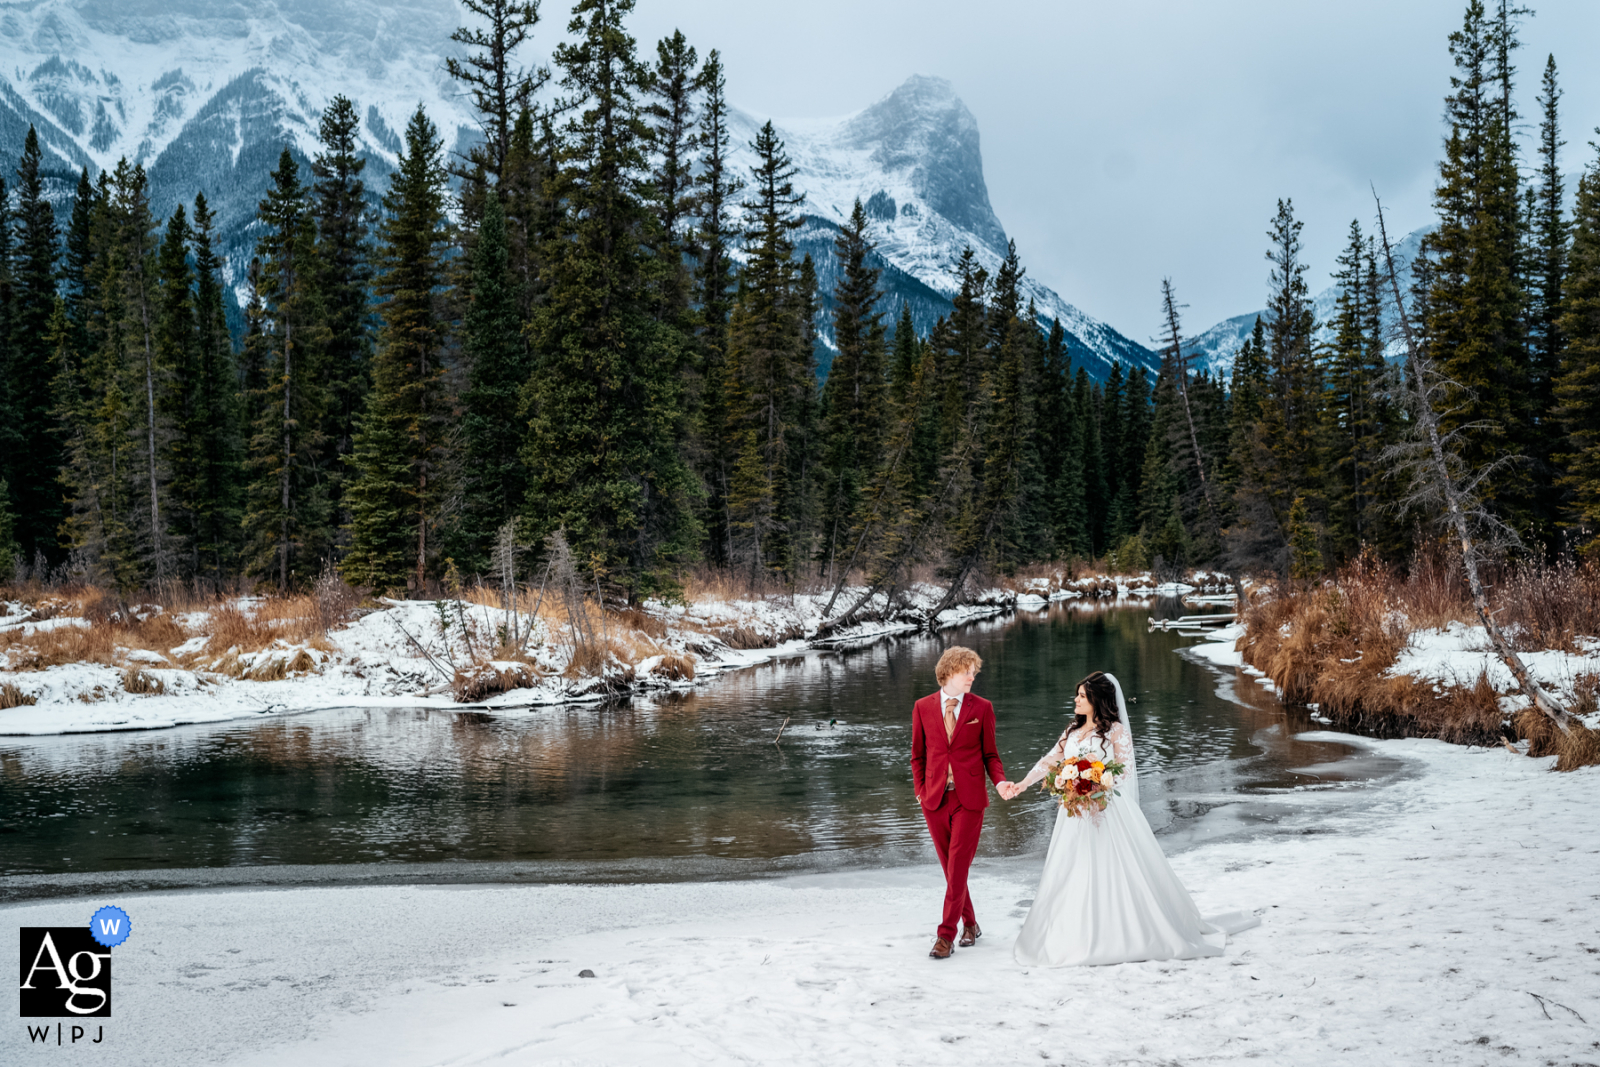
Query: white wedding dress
{"x": 1107, "y": 894}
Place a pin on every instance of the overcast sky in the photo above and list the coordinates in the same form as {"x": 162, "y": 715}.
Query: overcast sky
{"x": 1128, "y": 140}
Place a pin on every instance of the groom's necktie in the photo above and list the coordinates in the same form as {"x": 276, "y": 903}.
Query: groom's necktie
{"x": 950, "y": 706}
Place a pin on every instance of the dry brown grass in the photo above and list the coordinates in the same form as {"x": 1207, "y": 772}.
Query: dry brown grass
{"x": 1434, "y": 592}
{"x": 297, "y": 620}
{"x": 474, "y": 683}
{"x": 1580, "y": 748}
{"x": 675, "y": 667}
{"x": 105, "y": 629}
{"x": 1333, "y": 646}
{"x": 709, "y": 583}
{"x": 638, "y": 620}
{"x": 108, "y": 631}
{"x": 141, "y": 682}
{"x": 12, "y": 697}
{"x": 1551, "y": 606}
{"x": 1585, "y": 694}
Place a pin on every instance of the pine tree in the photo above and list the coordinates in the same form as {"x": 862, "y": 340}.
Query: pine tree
{"x": 986, "y": 464}
{"x": 1577, "y": 387}
{"x": 75, "y": 263}
{"x": 1475, "y": 307}
{"x": 714, "y": 237}
{"x": 36, "y": 465}
{"x": 177, "y": 354}
{"x": 673, "y": 131}
{"x": 1074, "y": 530}
{"x": 853, "y": 396}
{"x": 920, "y": 463}
{"x": 1347, "y": 407}
{"x": 1112, "y": 523}
{"x": 1281, "y": 462}
{"x": 286, "y": 514}
{"x": 11, "y": 442}
{"x": 396, "y": 494}
{"x": 604, "y": 443}
{"x": 1194, "y": 467}
{"x": 216, "y": 428}
{"x": 255, "y": 357}
{"x": 115, "y": 472}
{"x": 805, "y": 445}
{"x": 1303, "y": 538}
{"x": 1055, "y": 447}
{"x": 10, "y": 552}
{"x": 1132, "y": 433}
{"x": 343, "y": 276}
{"x": 500, "y": 90}
{"x": 146, "y": 374}
{"x": 1546, "y": 260}
{"x": 1160, "y": 514}
{"x": 768, "y": 381}
{"x": 1248, "y": 382}
{"x": 1096, "y": 493}
{"x": 494, "y": 481}
{"x": 904, "y": 358}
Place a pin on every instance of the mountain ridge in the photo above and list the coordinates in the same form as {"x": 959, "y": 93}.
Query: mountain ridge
{"x": 206, "y": 94}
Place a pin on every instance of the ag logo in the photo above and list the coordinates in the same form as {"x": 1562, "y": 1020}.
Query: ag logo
{"x": 66, "y": 973}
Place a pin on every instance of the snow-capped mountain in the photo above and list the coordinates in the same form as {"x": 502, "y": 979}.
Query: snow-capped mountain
{"x": 206, "y": 94}
{"x": 913, "y": 160}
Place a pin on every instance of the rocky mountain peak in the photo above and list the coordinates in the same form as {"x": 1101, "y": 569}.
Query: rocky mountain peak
{"x": 924, "y": 131}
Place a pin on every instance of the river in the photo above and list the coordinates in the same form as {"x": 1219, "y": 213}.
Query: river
{"x": 689, "y": 785}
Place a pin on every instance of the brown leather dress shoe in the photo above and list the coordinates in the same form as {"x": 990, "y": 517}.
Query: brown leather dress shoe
{"x": 969, "y": 936}
{"x": 942, "y": 949}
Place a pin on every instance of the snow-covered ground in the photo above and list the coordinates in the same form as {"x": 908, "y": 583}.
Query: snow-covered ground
{"x": 1454, "y": 656}
{"x": 401, "y": 656}
{"x": 406, "y": 654}
{"x": 1451, "y": 920}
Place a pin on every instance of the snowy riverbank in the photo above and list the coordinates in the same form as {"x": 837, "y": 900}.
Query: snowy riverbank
{"x": 417, "y": 653}
{"x": 1454, "y": 656}
{"x": 1449, "y": 921}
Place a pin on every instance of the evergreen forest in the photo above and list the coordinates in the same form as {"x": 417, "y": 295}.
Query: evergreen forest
{"x": 592, "y": 330}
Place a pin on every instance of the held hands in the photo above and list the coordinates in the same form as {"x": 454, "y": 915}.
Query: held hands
{"x": 1008, "y": 790}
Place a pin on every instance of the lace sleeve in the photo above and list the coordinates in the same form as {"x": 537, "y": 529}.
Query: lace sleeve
{"x": 1121, "y": 744}
{"x": 1055, "y": 755}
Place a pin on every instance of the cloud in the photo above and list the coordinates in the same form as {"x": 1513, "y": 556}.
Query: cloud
{"x": 1130, "y": 141}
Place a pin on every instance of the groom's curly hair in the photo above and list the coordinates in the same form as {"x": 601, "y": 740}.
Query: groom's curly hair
{"x": 954, "y": 661}
{"x": 1102, "y": 696}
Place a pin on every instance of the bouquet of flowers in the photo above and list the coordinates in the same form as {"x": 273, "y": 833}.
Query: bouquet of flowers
{"x": 1083, "y": 782}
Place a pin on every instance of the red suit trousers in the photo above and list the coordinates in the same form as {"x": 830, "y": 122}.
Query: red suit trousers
{"x": 955, "y": 831}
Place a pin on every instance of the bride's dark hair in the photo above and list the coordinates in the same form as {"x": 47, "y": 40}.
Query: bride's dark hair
{"x": 1102, "y": 696}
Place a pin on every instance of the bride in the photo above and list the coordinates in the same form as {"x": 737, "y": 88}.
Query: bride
{"x": 1107, "y": 894}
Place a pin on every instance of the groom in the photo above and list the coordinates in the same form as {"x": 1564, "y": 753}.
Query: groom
{"x": 952, "y": 744}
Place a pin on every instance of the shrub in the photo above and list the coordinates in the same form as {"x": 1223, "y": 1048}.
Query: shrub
{"x": 12, "y": 697}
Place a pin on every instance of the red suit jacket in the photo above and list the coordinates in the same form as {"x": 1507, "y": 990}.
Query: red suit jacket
{"x": 970, "y": 750}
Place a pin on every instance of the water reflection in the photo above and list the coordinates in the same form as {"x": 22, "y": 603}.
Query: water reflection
{"x": 695, "y": 775}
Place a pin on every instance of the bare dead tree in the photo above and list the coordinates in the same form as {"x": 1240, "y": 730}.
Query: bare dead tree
{"x": 1441, "y": 483}
{"x": 564, "y": 573}
{"x": 503, "y": 561}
